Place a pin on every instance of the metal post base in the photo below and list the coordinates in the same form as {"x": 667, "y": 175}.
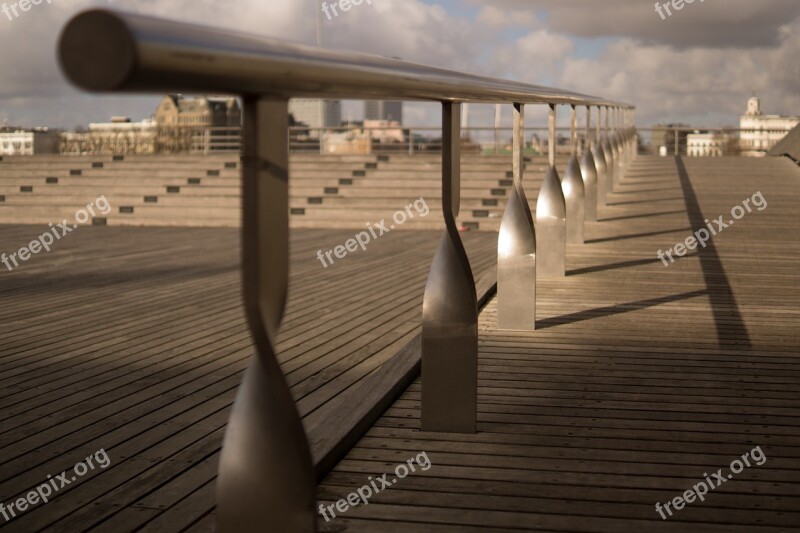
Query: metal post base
{"x": 266, "y": 475}
{"x": 450, "y": 343}
{"x": 602, "y": 175}
{"x": 551, "y": 227}
{"x": 589, "y": 175}
{"x": 575, "y": 198}
{"x": 611, "y": 167}
{"x": 516, "y": 266}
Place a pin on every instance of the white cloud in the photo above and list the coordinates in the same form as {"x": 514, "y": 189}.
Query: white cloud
{"x": 536, "y": 57}
{"x": 494, "y": 17}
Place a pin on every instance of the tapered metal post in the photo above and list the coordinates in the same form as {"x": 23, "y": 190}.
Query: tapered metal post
{"x": 516, "y": 246}
{"x": 589, "y": 171}
{"x": 449, "y": 309}
{"x": 551, "y": 216}
{"x": 617, "y": 146}
{"x": 572, "y": 185}
{"x": 600, "y": 159}
{"x": 611, "y": 161}
{"x": 266, "y": 474}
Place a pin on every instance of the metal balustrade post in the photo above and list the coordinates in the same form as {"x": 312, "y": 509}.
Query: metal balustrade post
{"x": 611, "y": 162}
{"x": 623, "y": 136}
{"x": 600, "y": 159}
{"x": 265, "y": 441}
{"x": 616, "y": 147}
{"x": 551, "y": 216}
{"x": 449, "y": 309}
{"x": 516, "y": 246}
{"x": 589, "y": 171}
{"x": 631, "y": 139}
{"x": 572, "y": 185}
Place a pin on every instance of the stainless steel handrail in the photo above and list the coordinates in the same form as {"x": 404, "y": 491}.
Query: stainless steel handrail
{"x": 139, "y": 53}
{"x": 266, "y": 476}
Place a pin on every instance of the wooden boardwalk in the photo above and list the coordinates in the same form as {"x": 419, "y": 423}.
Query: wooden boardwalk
{"x": 640, "y": 379}
{"x": 133, "y": 340}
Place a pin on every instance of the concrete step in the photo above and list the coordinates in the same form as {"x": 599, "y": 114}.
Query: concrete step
{"x": 127, "y": 199}
{"x": 393, "y": 203}
{"x": 93, "y": 191}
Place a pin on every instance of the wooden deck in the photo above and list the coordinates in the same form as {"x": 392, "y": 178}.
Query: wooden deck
{"x": 133, "y": 340}
{"x": 640, "y": 378}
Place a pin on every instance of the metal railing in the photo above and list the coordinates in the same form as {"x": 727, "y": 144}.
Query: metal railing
{"x": 266, "y": 474}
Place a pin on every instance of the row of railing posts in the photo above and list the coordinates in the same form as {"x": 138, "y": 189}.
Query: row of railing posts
{"x": 527, "y": 248}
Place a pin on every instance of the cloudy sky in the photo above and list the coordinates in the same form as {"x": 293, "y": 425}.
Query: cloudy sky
{"x": 698, "y": 65}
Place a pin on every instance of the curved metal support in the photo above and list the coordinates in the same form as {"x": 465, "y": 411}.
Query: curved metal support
{"x": 611, "y": 161}
{"x": 615, "y": 148}
{"x": 266, "y": 474}
{"x": 574, "y": 193}
{"x": 551, "y": 216}
{"x": 450, "y": 309}
{"x": 589, "y": 171}
{"x": 600, "y": 160}
{"x": 516, "y": 247}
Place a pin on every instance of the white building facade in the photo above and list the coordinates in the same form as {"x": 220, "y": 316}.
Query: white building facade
{"x": 761, "y": 132}
{"x": 703, "y": 145}
{"x": 16, "y": 143}
{"x": 28, "y": 142}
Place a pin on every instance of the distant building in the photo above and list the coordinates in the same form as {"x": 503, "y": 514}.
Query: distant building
{"x": 384, "y": 131}
{"x": 317, "y": 114}
{"x": 706, "y": 144}
{"x": 383, "y": 110}
{"x": 200, "y": 112}
{"x": 761, "y": 132}
{"x": 363, "y": 140}
{"x": 36, "y": 141}
{"x": 196, "y": 124}
{"x": 120, "y": 136}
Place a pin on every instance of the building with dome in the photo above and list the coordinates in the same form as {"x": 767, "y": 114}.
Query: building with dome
{"x": 761, "y": 132}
